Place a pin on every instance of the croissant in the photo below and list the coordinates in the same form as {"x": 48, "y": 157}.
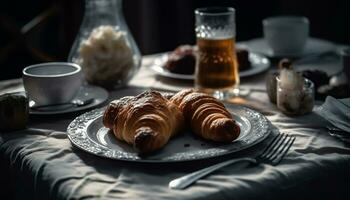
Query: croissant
{"x": 207, "y": 117}
{"x": 146, "y": 121}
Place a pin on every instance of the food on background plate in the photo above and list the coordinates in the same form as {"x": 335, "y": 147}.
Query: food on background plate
{"x": 183, "y": 60}
{"x": 243, "y": 59}
{"x": 148, "y": 120}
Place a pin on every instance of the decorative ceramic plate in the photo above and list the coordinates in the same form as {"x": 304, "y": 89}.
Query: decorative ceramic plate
{"x": 94, "y": 94}
{"x": 259, "y": 64}
{"x": 313, "y": 46}
{"x": 88, "y": 133}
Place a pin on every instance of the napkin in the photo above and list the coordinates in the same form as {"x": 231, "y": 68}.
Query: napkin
{"x": 337, "y": 112}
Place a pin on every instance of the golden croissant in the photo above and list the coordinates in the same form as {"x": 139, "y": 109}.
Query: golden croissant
{"x": 206, "y": 116}
{"x": 146, "y": 121}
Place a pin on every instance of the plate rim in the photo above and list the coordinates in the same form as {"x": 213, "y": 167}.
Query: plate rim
{"x": 75, "y": 122}
{"x": 161, "y": 57}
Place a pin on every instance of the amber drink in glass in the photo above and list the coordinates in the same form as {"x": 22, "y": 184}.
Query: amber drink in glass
{"x": 216, "y": 67}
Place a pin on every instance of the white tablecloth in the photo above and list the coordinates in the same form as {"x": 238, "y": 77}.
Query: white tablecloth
{"x": 41, "y": 163}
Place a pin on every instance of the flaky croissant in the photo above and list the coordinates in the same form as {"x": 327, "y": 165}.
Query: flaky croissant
{"x": 206, "y": 116}
{"x": 146, "y": 121}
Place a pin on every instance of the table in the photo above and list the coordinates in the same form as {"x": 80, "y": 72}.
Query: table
{"x": 41, "y": 163}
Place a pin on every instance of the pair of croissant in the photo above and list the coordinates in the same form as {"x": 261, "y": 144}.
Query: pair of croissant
{"x": 149, "y": 120}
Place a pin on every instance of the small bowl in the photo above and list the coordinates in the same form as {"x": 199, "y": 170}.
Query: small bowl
{"x": 52, "y": 83}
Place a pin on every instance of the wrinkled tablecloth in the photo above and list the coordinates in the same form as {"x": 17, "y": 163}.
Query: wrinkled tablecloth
{"x": 41, "y": 163}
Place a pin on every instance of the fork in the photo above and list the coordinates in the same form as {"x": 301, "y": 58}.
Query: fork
{"x": 272, "y": 154}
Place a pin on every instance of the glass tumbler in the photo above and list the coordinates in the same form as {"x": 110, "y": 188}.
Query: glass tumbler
{"x": 216, "y": 71}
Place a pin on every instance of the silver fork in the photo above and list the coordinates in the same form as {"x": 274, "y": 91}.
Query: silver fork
{"x": 272, "y": 154}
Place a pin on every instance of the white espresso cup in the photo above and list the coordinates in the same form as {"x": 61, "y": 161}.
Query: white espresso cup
{"x": 52, "y": 83}
{"x": 286, "y": 34}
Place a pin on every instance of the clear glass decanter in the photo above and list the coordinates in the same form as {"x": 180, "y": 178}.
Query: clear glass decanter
{"x": 104, "y": 46}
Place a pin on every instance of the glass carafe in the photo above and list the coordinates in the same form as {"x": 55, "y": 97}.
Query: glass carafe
{"x": 104, "y": 46}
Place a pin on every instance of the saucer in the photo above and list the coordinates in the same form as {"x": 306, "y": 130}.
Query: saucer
{"x": 313, "y": 46}
{"x": 98, "y": 94}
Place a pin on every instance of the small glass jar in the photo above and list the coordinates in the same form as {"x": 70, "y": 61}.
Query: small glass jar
{"x": 293, "y": 101}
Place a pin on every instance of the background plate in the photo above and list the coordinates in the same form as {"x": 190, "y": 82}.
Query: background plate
{"x": 259, "y": 64}
{"x": 88, "y": 133}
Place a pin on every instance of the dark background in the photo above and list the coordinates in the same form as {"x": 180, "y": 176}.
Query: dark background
{"x": 43, "y": 30}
